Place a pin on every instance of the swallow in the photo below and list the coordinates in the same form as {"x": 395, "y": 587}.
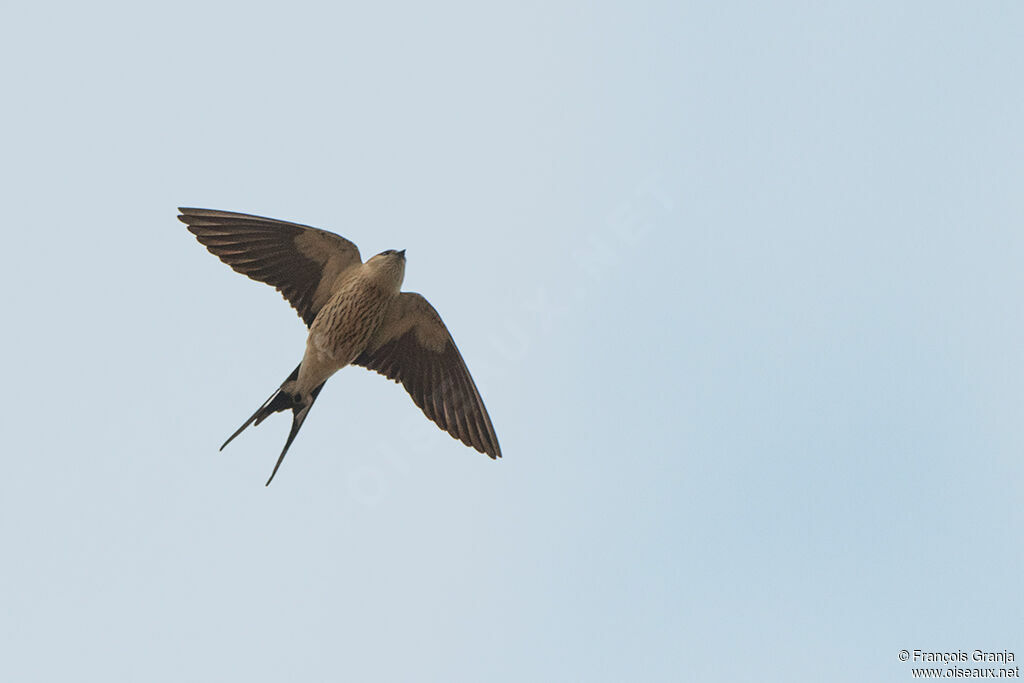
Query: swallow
{"x": 356, "y": 314}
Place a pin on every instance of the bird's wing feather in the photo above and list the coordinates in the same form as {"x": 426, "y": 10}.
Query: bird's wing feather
{"x": 301, "y": 262}
{"x": 412, "y": 346}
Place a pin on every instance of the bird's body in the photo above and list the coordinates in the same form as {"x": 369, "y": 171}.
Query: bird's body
{"x": 344, "y": 325}
{"x": 356, "y": 313}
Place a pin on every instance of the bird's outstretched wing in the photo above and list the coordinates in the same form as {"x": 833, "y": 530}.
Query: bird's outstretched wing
{"x": 301, "y": 262}
{"x": 412, "y": 346}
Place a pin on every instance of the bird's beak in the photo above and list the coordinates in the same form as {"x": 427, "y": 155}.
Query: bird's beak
{"x": 402, "y": 253}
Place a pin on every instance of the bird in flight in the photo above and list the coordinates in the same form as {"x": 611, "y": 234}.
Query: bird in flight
{"x": 356, "y": 314}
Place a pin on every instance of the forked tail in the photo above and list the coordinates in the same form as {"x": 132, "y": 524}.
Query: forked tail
{"x": 281, "y": 400}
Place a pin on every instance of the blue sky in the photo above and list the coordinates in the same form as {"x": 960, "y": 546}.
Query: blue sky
{"x": 740, "y": 285}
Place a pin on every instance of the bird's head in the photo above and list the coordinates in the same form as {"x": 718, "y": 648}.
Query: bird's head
{"x": 389, "y": 266}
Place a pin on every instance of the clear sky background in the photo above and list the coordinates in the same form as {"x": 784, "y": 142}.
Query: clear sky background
{"x": 740, "y": 284}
